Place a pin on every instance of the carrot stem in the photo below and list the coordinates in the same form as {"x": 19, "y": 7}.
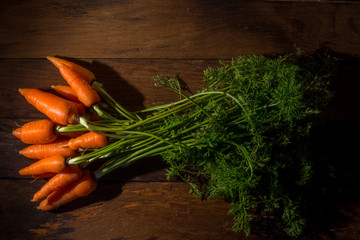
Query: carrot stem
{"x": 117, "y": 107}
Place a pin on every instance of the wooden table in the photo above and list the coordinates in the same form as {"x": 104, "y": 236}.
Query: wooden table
{"x": 126, "y": 43}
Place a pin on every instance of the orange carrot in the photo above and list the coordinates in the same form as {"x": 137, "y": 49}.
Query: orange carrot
{"x": 56, "y": 108}
{"x": 53, "y": 164}
{"x": 80, "y": 188}
{"x": 71, "y": 174}
{"x": 66, "y": 91}
{"x": 85, "y": 93}
{"x": 36, "y": 132}
{"x": 88, "y": 140}
{"x": 79, "y": 107}
{"x": 85, "y": 73}
{"x": 41, "y": 151}
{"x": 44, "y": 175}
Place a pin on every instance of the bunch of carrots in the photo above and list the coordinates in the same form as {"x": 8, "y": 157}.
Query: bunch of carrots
{"x": 53, "y": 148}
{"x": 235, "y": 138}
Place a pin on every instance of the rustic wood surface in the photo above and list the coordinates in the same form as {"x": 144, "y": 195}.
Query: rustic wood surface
{"x": 126, "y": 43}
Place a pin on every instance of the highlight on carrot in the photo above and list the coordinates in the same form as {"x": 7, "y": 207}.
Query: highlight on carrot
{"x": 53, "y": 164}
{"x": 85, "y": 93}
{"x": 66, "y": 91}
{"x": 83, "y": 72}
{"x": 80, "y": 188}
{"x": 56, "y": 108}
{"x": 36, "y": 132}
{"x": 40, "y": 151}
{"x": 88, "y": 140}
{"x": 71, "y": 174}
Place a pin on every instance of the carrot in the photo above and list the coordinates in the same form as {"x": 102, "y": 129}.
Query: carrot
{"x": 36, "y": 132}
{"x": 85, "y": 93}
{"x": 44, "y": 175}
{"x": 56, "y": 108}
{"x": 88, "y": 140}
{"x": 80, "y": 188}
{"x": 53, "y": 164}
{"x": 41, "y": 151}
{"x": 85, "y": 73}
{"x": 79, "y": 107}
{"x": 71, "y": 174}
{"x": 66, "y": 91}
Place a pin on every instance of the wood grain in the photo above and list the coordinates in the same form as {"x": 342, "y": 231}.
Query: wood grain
{"x": 175, "y": 29}
{"x": 126, "y": 43}
{"x": 130, "y": 81}
{"x": 153, "y": 210}
{"x": 116, "y": 211}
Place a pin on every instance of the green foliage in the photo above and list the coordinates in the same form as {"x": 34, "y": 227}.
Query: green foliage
{"x": 251, "y": 149}
{"x": 241, "y": 137}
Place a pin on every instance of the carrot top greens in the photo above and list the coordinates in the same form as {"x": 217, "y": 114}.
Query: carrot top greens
{"x": 241, "y": 137}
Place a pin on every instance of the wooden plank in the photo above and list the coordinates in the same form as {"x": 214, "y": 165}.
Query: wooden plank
{"x": 130, "y": 81}
{"x": 117, "y": 210}
{"x": 175, "y": 29}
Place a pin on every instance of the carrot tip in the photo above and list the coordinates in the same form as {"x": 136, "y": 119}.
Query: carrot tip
{"x": 54, "y": 60}
{"x": 50, "y": 58}
{"x": 17, "y": 132}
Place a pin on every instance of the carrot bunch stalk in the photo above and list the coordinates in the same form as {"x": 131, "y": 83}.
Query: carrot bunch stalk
{"x": 41, "y": 151}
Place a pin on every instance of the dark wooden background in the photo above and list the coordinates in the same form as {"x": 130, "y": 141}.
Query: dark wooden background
{"x": 126, "y": 43}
